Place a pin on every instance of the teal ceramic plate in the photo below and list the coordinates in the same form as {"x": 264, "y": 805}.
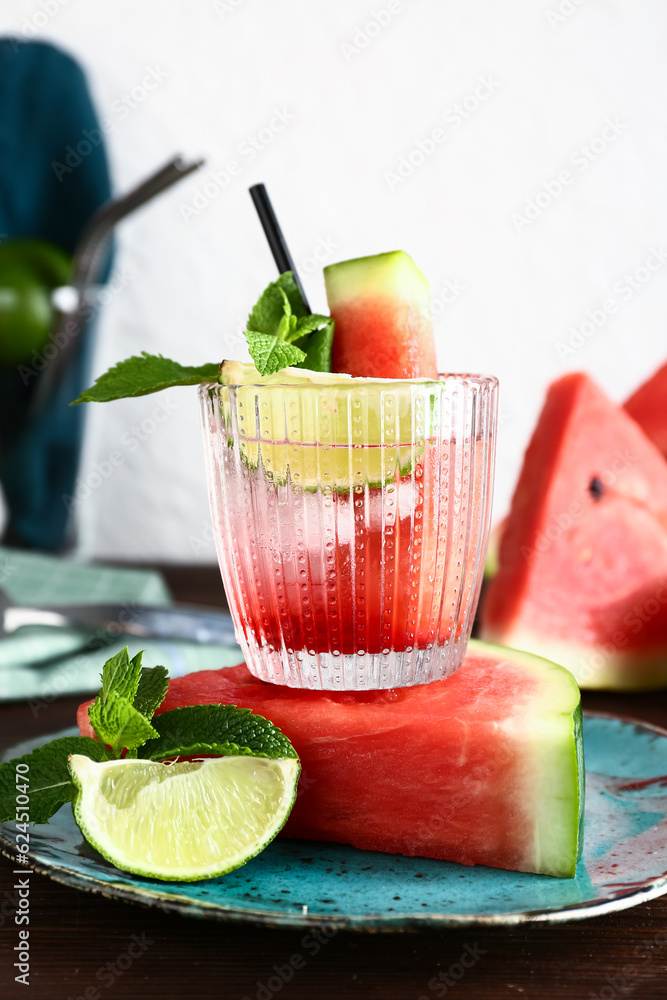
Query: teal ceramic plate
{"x": 301, "y": 884}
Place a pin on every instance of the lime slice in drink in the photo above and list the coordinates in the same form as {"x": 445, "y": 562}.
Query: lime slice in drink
{"x": 322, "y": 429}
{"x": 185, "y": 821}
{"x": 243, "y": 373}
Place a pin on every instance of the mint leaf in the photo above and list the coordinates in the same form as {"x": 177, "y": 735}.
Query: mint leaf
{"x": 289, "y": 286}
{"x": 288, "y": 326}
{"x": 269, "y": 341}
{"x": 291, "y": 332}
{"x": 48, "y": 778}
{"x": 307, "y": 324}
{"x": 121, "y": 674}
{"x": 152, "y": 688}
{"x": 215, "y": 729}
{"x": 269, "y": 309}
{"x": 317, "y": 346}
{"x": 140, "y": 375}
{"x": 270, "y": 354}
{"x": 119, "y": 724}
{"x": 112, "y": 714}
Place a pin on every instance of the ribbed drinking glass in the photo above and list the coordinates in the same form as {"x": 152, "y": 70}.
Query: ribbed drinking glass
{"x": 351, "y": 524}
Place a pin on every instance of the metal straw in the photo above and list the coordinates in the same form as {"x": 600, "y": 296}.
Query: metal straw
{"x": 89, "y": 258}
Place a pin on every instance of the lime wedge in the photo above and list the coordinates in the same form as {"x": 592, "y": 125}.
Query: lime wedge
{"x": 321, "y": 429}
{"x": 185, "y": 821}
{"x": 242, "y": 373}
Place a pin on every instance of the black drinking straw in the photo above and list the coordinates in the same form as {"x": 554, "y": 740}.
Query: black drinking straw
{"x": 274, "y": 235}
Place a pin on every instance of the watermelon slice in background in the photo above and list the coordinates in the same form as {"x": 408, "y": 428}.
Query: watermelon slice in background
{"x": 485, "y": 767}
{"x": 583, "y": 556}
{"x": 383, "y": 321}
{"x": 648, "y": 406}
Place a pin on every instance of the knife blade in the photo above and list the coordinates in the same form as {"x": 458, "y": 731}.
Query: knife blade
{"x": 179, "y": 621}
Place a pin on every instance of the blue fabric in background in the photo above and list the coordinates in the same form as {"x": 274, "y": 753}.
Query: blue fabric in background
{"x": 48, "y": 189}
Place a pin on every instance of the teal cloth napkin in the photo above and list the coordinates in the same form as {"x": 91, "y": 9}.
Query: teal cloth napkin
{"x": 42, "y": 663}
{"x": 54, "y": 176}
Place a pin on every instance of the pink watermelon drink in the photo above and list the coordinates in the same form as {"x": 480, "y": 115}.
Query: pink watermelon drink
{"x": 351, "y": 517}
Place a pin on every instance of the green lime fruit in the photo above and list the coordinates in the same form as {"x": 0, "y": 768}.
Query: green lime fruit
{"x": 186, "y": 821}
{"x": 29, "y": 271}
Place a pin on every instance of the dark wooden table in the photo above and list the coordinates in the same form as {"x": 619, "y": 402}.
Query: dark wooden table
{"x": 82, "y": 945}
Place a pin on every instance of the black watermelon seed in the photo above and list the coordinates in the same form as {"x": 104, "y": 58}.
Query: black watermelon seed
{"x": 596, "y": 488}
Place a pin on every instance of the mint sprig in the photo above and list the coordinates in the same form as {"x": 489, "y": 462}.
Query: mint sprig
{"x": 113, "y": 715}
{"x": 123, "y": 719}
{"x": 279, "y": 330}
{"x": 279, "y": 334}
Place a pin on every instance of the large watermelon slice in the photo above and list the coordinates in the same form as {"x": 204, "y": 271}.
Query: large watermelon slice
{"x": 383, "y": 321}
{"x": 583, "y": 556}
{"x": 648, "y": 406}
{"x": 485, "y": 767}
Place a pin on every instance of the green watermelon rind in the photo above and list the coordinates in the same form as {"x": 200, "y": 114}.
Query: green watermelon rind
{"x": 393, "y": 275}
{"x": 622, "y": 670}
{"x": 560, "y": 775}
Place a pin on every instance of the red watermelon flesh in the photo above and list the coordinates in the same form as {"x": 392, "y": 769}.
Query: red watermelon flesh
{"x": 383, "y": 322}
{"x": 582, "y": 577}
{"x": 484, "y": 767}
{"x": 648, "y": 406}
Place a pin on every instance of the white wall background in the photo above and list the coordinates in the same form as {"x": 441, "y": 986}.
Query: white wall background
{"x": 358, "y": 98}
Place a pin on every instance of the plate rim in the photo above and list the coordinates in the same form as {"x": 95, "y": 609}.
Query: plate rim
{"x": 396, "y": 922}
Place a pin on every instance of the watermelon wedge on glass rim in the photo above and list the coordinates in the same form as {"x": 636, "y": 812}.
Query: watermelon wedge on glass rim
{"x": 582, "y": 576}
{"x": 485, "y": 767}
{"x": 381, "y": 308}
